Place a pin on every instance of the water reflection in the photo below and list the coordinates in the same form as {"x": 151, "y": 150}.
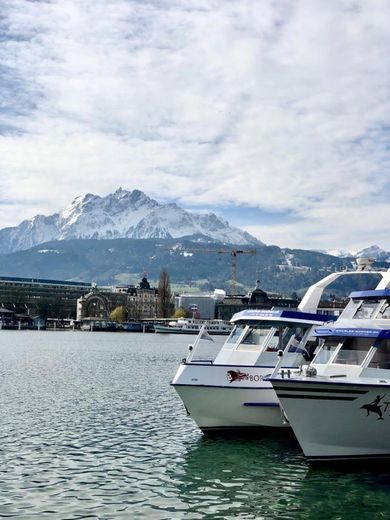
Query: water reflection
{"x": 224, "y": 477}
{"x": 270, "y": 478}
{"x": 91, "y": 429}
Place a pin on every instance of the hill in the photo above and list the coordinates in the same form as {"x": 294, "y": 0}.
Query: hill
{"x": 123, "y": 261}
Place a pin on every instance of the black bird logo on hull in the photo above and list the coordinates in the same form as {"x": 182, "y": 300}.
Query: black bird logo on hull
{"x": 374, "y": 407}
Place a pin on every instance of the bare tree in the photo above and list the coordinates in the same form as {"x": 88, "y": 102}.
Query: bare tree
{"x": 164, "y": 295}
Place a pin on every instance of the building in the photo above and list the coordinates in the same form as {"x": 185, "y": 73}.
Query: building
{"x": 41, "y": 297}
{"x": 257, "y": 299}
{"x": 199, "y": 305}
{"x": 7, "y": 317}
{"x": 142, "y": 302}
{"x": 59, "y": 299}
{"x": 139, "y": 303}
{"x": 222, "y": 306}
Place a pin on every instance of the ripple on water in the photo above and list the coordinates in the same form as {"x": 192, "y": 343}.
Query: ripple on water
{"x": 91, "y": 429}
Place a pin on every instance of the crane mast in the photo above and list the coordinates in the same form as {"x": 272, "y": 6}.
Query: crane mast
{"x": 233, "y": 253}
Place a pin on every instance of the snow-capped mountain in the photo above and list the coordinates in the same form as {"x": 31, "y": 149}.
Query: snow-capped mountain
{"x": 123, "y": 214}
{"x": 374, "y": 252}
{"x": 341, "y": 253}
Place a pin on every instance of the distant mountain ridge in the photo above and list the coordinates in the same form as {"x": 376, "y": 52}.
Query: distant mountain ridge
{"x": 122, "y": 214}
{"x": 375, "y": 252}
{"x": 126, "y": 260}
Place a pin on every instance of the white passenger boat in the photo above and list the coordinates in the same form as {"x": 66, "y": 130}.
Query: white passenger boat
{"x": 193, "y": 326}
{"x": 224, "y": 393}
{"x": 339, "y": 405}
{"x": 231, "y": 391}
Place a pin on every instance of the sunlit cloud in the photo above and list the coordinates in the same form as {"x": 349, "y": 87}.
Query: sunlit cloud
{"x": 278, "y": 105}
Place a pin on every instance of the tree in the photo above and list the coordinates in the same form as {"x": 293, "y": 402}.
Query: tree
{"x": 118, "y": 314}
{"x": 181, "y": 313}
{"x": 164, "y": 295}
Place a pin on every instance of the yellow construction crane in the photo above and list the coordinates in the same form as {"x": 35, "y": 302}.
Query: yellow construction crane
{"x": 233, "y": 253}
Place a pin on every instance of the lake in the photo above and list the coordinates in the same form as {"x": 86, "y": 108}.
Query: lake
{"x": 90, "y": 428}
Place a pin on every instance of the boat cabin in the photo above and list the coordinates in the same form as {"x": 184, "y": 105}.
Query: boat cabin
{"x": 359, "y": 341}
{"x": 259, "y": 336}
{"x": 353, "y": 352}
{"x": 368, "y": 305}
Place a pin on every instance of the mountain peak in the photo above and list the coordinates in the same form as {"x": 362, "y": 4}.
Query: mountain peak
{"x": 375, "y": 252}
{"x": 121, "y": 214}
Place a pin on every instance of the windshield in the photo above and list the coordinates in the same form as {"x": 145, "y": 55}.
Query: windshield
{"x": 280, "y": 338}
{"x": 384, "y": 313}
{"x": 351, "y": 308}
{"x": 325, "y": 353}
{"x": 254, "y": 338}
{"x": 381, "y": 357}
{"x": 366, "y": 310}
{"x": 353, "y": 351}
{"x": 235, "y": 334}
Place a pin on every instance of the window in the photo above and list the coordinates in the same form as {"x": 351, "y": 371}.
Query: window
{"x": 327, "y": 350}
{"x": 273, "y": 344}
{"x": 253, "y": 337}
{"x": 353, "y": 351}
{"x": 381, "y": 357}
{"x": 351, "y": 308}
{"x": 366, "y": 310}
{"x": 384, "y": 313}
{"x": 235, "y": 334}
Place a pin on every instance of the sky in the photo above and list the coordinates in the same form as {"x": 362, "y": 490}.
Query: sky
{"x": 274, "y": 114}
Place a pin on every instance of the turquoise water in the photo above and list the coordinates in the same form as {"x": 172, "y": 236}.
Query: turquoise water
{"x": 90, "y": 428}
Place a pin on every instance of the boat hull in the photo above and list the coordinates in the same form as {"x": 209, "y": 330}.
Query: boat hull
{"x": 237, "y": 399}
{"x": 337, "y": 421}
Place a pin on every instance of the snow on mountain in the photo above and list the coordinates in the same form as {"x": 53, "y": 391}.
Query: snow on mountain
{"x": 374, "y": 252}
{"x": 341, "y": 253}
{"x": 112, "y": 216}
{"x": 29, "y": 233}
{"x": 123, "y": 214}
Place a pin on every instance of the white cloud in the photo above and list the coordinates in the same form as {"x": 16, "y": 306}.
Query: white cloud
{"x": 282, "y": 105}
{"x": 358, "y": 227}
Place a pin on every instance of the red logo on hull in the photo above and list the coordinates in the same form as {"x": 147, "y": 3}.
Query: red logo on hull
{"x": 236, "y": 375}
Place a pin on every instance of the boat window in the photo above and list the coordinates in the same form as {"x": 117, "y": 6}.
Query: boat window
{"x": 384, "y": 313}
{"x": 326, "y": 350}
{"x": 366, "y": 310}
{"x": 296, "y": 336}
{"x": 351, "y": 308}
{"x": 273, "y": 344}
{"x": 235, "y": 334}
{"x": 254, "y": 337}
{"x": 381, "y": 357}
{"x": 353, "y": 351}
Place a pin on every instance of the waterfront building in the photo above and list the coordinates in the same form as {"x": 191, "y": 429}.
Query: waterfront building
{"x": 138, "y": 302}
{"x": 200, "y": 306}
{"x": 257, "y": 299}
{"x": 7, "y": 316}
{"x": 142, "y": 302}
{"x": 221, "y": 306}
{"x": 41, "y": 297}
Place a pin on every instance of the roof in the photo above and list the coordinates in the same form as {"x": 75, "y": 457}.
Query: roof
{"x": 353, "y": 332}
{"x": 3, "y": 310}
{"x": 281, "y": 316}
{"x": 378, "y": 294}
